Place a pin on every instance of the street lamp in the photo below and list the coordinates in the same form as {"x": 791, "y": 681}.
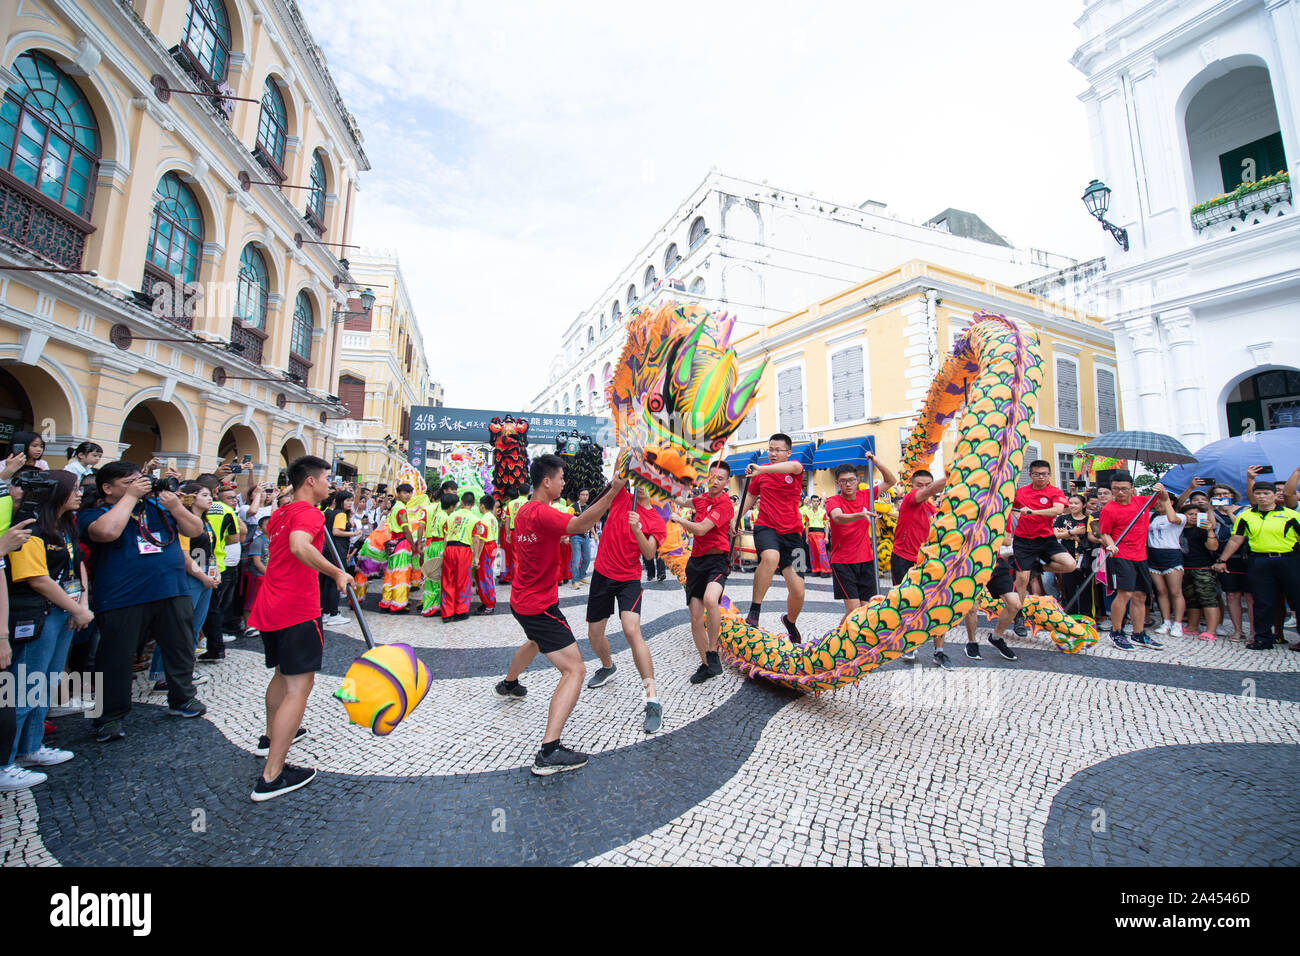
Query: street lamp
{"x": 367, "y": 301}
{"x": 1096, "y": 199}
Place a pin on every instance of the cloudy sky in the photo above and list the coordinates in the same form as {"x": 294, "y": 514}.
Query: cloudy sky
{"x": 523, "y": 152}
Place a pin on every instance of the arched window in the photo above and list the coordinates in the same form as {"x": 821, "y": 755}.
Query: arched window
{"x": 303, "y": 322}
{"x": 577, "y": 398}
{"x": 608, "y": 374}
{"x": 176, "y": 233}
{"x": 253, "y": 288}
{"x": 49, "y": 139}
{"x": 273, "y": 126}
{"x": 697, "y": 286}
{"x": 615, "y": 313}
{"x": 557, "y": 407}
{"x": 649, "y": 282}
{"x": 698, "y": 231}
{"x": 631, "y": 297}
{"x": 568, "y": 409}
{"x": 316, "y": 195}
{"x": 670, "y": 258}
{"x": 591, "y": 390}
{"x": 207, "y": 37}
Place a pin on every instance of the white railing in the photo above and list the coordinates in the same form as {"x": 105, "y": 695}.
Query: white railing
{"x": 1236, "y": 215}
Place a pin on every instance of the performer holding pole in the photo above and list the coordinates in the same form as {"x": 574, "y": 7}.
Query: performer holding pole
{"x": 288, "y": 614}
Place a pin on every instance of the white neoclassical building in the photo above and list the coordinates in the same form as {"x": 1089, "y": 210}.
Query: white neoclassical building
{"x": 1193, "y": 108}
{"x": 761, "y": 253}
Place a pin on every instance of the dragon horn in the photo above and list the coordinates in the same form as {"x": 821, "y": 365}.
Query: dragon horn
{"x": 682, "y": 373}
{"x": 727, "y": 323}
{"x": 740, "y": 400}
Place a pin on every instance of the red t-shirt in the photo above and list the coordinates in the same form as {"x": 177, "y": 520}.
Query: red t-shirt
{"x": 1036, "y": 526}
{"x": 290, "y": 591}
{"x": 778, "y": 502}
{"x": 619, "y": 556}
{"x": 538, "y": 529}
{"x": 851, "y": 543}
{"x": 1115, "y": 518}
{"x": 720, "y": 511}
{"x": 913, "y": 525}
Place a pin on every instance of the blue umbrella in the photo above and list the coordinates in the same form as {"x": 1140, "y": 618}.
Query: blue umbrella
{"x": 1226, "y": 461}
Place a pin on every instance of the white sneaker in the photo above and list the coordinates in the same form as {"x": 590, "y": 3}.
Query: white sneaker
{"x": 230, "y": 638}
{"x": 1162, "y": 629}
{"x": 199, "y": 679}
{"x": 45, "y": 757}
{"x": 74, "y": 706}
{"x": 14, "y": 777}
{"x": 1176, "y": 631}
{"x": 336, "y": 619}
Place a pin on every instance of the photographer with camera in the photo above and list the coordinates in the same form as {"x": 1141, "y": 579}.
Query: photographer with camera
{"x": 47, "y": 602}
{"x": 138, "y": 581}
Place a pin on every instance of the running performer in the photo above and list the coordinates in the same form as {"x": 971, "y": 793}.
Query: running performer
{"x": 778, "y": 533}
{"x": 484, "y": 543}
{"x": 288, "y": 614}
{"x": 633, "y": 531}
{"x": 535, "y": 604}
{"x": 708, "y": 567}
{"x": 914, "y": 514}
{"x": 852, "y": 562}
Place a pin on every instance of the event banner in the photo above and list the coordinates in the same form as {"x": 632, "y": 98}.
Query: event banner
{"x": 436, "y": 423}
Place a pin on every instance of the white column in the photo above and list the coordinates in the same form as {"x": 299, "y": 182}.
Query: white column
{"x": 1153, "y": 399}
{"x": 1284, "y": 16}
{"x": 1186, "y": 395}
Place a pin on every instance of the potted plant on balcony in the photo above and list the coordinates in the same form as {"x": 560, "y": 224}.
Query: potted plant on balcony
{"x": 1261, "y": 194}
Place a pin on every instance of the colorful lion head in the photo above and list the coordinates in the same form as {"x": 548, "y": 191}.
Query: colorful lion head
{"x": 676, "y": 395}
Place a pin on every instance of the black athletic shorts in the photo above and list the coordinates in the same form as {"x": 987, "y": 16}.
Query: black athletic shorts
{"x": 297, "y": 649}
{"x": 704, "y": 570}
{"x": 600, "y": 599}
{"x": 1034, "y": 554}
{"x": 856, "y": 581}
{"x": 1001, "y": 581}
{"x": 792, "y": 548}
{"x": 548, "y": 630}
{"x": 1123, "y": 574}
{"x": 898, "y": 568}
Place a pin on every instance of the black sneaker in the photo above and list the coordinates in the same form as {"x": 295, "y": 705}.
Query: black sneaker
{"x": 291, "y": 778}
{"x": 191, "y": 708}
{"x": 1019, "y": 625}
{"x": 941, "y": 660}
{"x": 1266, "y": 645}
{"x": 206, "y": 658}
{"x": 714, "y": 660}
{"x": 790, "y": 629}
{"x": 973, "y": 650}
{"x": 1001, "y": 644}
{"x": 110, "y": 731}
{"x": 659, "y": 578}
{"x": 702, "y": 673}
{"x": 159, "y": 687}
{"x": 264, "y": 742}
{"x": 602, "y": 676}
{"x": 511, "y": 690}
{"x": 560, "y": 760}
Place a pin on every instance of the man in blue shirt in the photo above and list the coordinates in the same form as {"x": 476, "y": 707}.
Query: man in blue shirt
{"x": 138, "y": 587}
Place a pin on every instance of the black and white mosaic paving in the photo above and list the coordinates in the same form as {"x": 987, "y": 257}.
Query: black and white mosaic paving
{"x": 990, "y": 763}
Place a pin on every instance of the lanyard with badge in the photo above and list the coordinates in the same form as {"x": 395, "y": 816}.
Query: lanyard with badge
{"x": 146, "y": 542}
{"x": 69, "y": 580}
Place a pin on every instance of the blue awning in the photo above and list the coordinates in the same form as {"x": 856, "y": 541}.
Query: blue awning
{"x": 844, "y": 451}
{"x": 800, "y": 453}
{"x": 737, "y": 463}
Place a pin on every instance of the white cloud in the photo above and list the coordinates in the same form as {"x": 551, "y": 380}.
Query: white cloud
{"x": 523, "y": 152}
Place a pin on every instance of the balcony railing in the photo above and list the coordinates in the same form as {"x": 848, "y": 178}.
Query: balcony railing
{"x": 222, "y": 108}
{"x": 164, "y": 295}
{"x": 300, "y": 367}
{"x": 1260, "y": 205}
{"x": 38, "y": 224}
{"x": 250, "y": 339}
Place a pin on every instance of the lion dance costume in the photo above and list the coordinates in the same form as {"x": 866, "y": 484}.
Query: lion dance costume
{"x": 509, "y": 440}
{"x": 993, "y": 372}
{"x": 401, "y": 571}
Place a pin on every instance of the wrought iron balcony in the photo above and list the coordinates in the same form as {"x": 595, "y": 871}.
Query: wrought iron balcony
{"x": 249, "y": 338}
{"x": 300, "y": 367}
{"x": 41, "y": 225}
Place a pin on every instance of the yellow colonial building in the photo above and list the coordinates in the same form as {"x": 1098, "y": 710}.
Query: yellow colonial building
{"x": 178, "y": 181}
{"x": 860, "y": 364}
{"x": 383, "y": 371}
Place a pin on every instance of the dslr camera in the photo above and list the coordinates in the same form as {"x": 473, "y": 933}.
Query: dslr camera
{"x": 37, "y": 488}
{"x": 165, "y": 483}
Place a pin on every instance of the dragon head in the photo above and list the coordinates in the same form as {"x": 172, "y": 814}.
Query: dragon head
{"x": 676, "y": 396}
